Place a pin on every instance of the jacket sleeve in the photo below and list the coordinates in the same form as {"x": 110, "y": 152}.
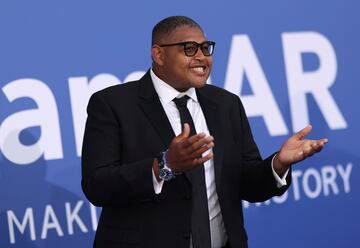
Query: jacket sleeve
{"x": 106, "y": 180}
{"x": 257, "y": 181}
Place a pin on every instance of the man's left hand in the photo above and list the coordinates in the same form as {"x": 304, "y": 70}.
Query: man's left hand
{"x": 296, "y": 149}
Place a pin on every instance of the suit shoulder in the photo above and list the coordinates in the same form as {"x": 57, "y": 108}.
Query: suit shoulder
{"x": 216, "y": 92}
{"x": 116, "y": 96}
{"x": 115, "y": 90}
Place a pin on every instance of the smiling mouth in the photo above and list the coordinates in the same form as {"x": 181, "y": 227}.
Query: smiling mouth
{"x": 198, "y": 69}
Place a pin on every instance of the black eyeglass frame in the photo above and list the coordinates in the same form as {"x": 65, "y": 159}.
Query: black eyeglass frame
{"x": 185, "y": 43}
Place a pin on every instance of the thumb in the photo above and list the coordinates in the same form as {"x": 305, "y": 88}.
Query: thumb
{"x": 185, "y": 132}
{"x": 303, "y": 132}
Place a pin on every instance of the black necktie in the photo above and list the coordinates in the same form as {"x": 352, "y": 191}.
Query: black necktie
{"x": 200, "y": 226}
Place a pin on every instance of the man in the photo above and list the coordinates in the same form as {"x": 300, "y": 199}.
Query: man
{"x": 169, "y": 158}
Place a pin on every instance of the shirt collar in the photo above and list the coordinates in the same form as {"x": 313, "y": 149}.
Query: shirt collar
{"x": 168, "y": 93}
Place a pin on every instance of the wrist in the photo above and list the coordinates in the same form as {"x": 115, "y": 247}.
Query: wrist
{"x": 165, "y": 173}
{"x": 279, "y": 167}
{"x": 155, "y": 167}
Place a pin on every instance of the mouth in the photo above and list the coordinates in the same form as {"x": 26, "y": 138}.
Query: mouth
{"x": 199, "y": 69}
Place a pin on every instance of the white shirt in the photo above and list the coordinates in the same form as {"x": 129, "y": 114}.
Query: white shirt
{"x": 167, "y": 94}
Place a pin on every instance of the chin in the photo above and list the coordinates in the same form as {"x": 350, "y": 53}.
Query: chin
{"x": 199, "y": 84}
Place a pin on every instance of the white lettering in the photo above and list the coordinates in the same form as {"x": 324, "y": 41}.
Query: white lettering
{"x": 80, "y": 91}
{"x": 306, "y": 178}
{"x": 136, "y": 75}
{"x": 50, "y": 221}
{"x": 345, "y": 175}
{"x": 295, "y": 176}
{"x": 315, "y": 82}
{"x": 45, "y": 116}
{"x": 243, "y": 60}
{"x": 93, "y": 215}
{"x": 328, "y": 174}
{"x": 72, "y": 216}
{"x": 28, "y": 219}
{"x": 314, "y": 182}
{"x": 280, "y": 199}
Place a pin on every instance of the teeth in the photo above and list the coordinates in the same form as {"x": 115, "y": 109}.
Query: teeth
{"x": 199, "y": 69}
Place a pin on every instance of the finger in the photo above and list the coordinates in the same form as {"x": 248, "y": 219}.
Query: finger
{"x": 189, "y": 163}
{"x": 194, "y": 145}
{"x": 321, "y": 142}
{"x": 299, "y": 156}
{"x": 307, "y": 150}
{"x": 185, "y": 132}
{"x": 193, "y": 139}
{"x": 197, "y": 161}
{"x": 313, "y": 147}
{"x": 324, "y": 141}
{"x": 317, "y": 145}
{"x": 303, "y": 132}
{"x": 188, "y": 157}
{"x": 201, "y": 150}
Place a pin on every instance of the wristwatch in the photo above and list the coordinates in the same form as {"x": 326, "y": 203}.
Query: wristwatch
{"x": 165, "y": 173}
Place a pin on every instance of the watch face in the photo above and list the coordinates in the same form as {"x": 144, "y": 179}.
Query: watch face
{"x": 165, "y": 174}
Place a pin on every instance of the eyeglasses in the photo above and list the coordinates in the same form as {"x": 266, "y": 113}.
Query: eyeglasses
{"x": 191, "y": 47}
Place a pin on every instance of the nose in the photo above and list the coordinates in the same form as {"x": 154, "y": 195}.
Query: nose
{"x": 199, "y": 54}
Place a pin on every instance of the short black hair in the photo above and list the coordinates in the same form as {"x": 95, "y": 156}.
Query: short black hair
{"x": 169, "y": 24}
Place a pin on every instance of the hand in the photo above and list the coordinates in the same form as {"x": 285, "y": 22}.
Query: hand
{"x": 296, "y": 149}
{"x": 186, "y": 152}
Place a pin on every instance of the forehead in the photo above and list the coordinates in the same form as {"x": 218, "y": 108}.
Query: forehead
{"x": 185, "y": 34}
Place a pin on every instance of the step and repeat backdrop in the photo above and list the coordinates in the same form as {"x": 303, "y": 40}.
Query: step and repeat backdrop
{"x": 291, "y": 62}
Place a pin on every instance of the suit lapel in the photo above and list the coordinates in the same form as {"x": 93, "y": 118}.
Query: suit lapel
{"x": 150, "y": 103}
{"x": 212, "y": 117}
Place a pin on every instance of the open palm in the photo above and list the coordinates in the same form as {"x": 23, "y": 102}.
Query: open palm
{"x": 296, "y": 148}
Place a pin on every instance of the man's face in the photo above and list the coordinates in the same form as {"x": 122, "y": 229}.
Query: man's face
{"x": 180, "y": 71}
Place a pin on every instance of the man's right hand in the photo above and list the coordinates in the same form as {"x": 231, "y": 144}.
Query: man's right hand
{"x": 186, "y": 152}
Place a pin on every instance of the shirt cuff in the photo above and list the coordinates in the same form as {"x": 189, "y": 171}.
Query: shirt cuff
{"x": 280, "y": 182}
{"x": 157, "y": 185}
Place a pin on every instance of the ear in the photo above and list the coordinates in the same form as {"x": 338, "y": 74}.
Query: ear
{"x": 157, "y": 54}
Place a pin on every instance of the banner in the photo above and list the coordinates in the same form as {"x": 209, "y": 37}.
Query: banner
{"x": 292, "y": 64}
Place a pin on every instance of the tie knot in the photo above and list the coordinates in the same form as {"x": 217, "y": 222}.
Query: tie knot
{"x": 181, "y": 102}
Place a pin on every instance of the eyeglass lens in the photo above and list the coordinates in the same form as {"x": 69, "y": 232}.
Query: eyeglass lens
{"x": 191, "y": 48}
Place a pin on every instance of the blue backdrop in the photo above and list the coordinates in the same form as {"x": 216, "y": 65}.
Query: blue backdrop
{"x": 291, "y": 62}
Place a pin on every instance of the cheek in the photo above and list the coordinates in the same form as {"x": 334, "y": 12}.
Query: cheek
{"x": 209, "y": 61}
{"x": 181, "y": 65}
